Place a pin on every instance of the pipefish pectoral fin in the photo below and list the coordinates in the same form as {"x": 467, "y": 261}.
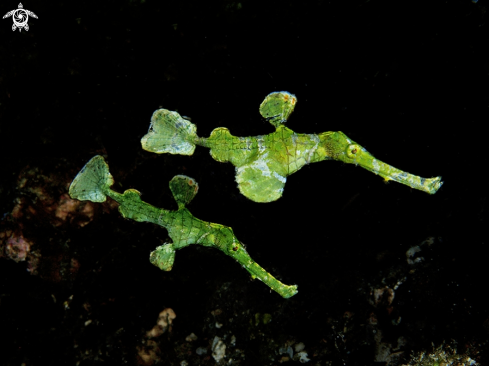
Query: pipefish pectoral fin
{"x": 170, "y": 133}
{"x": 92, "y": 182}
{"x": 163, "y": 257}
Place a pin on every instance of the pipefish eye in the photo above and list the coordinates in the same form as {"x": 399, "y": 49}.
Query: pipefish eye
{"x": 352, "y": 151}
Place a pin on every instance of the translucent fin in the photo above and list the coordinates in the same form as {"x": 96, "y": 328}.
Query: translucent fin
{"x": 277, "y": 107}
{"x": 163, "y": 257}
{"x": 183, "y": 188}
{"x": 92, "y": 181}
{"x": 169, "y": 133}
{"x": 258, "y": 183}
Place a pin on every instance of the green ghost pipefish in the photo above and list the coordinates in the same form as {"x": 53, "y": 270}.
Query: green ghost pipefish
{"x": 93, "y": 183}
{"x": 264, "y": 162}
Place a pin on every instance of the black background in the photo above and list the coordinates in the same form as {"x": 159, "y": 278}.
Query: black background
{"x": 406, "y": 80}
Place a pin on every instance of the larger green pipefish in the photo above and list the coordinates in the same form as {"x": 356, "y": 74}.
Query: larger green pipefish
{"x": 264, "y": 162}
{"x": 93, "y": 183}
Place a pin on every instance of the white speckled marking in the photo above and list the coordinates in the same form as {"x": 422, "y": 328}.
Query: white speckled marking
{"x": 199, "y": 240}
{"x": 261, "y": 145}
{"x": 376, "y": 165}
{"x": 279, "y": 177}
{"x": 314, "y": 138}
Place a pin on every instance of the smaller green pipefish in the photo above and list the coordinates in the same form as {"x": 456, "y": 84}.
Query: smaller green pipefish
{"x": 264, "y": 162}
{"x": 93, "y": 183}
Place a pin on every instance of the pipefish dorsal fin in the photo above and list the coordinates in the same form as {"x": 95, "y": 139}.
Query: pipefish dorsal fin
{"x": 277, "y": 107}
{"x": 184, "y": 189}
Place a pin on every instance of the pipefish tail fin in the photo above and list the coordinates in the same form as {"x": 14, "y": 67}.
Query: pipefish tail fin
{"x": 92, "y": 182}
{"x": 184, "y": 189}
{"x": 170, "y": 133}
{"x": 277, "y": 107}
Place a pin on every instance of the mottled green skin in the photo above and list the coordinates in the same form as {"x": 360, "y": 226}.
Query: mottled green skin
{"x": 264, "y": 162}
{"x": 93, "y": 183}
{"x": 286, "y": 150}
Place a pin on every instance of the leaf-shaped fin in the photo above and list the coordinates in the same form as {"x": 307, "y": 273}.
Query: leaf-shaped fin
{"x": 92, "y": 181}
{"x": 277, "y": 107}
{"x": 169, "y": 133}
{"x": 183, "y": 188}
{"x": 257, "y": 182}
{"x": 163, "y": 257}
